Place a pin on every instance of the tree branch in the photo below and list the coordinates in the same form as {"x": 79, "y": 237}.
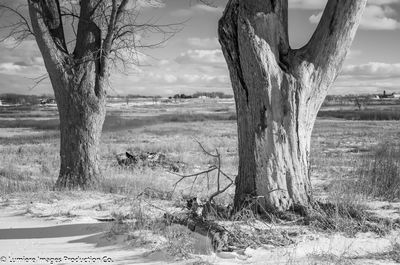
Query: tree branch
{"x": 331, "y": 40}
{"x": 88, "y": 39}
{"x": 205, "y": 172}
{"x": 22, "y": 26}
{"x": 47, "y": 26}
{"x": 269, "y": 22}
{"x": 50, "y": 13}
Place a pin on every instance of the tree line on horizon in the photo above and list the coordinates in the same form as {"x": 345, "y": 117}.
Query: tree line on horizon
{"x": 13, "y": 98}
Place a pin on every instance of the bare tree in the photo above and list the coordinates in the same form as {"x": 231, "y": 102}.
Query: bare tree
{"x": 79, "y": 40}
{"x": 278, "y": 92}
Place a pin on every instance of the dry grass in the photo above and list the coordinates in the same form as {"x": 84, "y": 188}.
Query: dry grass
{"x": 336, "y": 146}
{"x": 365, "y": 114}
{"x": 379, "y": 173}
{"x": 144, "y": 226}
{"x": 329, "y": 259}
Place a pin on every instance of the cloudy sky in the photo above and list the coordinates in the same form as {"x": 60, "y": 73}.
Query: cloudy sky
{"x": 192, "y": 60}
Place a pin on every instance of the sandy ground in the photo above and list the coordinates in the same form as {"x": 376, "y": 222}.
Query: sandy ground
{"x": 82, "y": 239}
{"x": 45, "y": 234}
{"x": 25, "y": 240}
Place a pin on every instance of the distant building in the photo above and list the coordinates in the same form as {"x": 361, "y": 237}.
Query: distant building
{"x": 45, "y": 101}
{"x": 388, "y": 96}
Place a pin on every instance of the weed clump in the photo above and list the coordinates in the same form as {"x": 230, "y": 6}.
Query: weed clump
{"x": 379, "y": 173}
{"x": 347, "y": 218}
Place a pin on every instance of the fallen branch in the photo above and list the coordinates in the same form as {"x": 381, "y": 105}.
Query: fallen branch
{"x": 230, "y": 238}
{"x": 218, "y": 235}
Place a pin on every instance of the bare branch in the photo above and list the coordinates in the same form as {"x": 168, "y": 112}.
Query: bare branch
{"x": 38, "y": 80}
{"x": 99, "y": 32}
{"x": 218, "y": 192}
{"x": 19, "y": 30}
{"x": 205, "y": 172}
{"x": 211, "y": 169}
{"x": 202, "y": 148}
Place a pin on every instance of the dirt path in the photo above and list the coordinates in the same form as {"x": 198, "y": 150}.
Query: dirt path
{"x": 25, "y": 240}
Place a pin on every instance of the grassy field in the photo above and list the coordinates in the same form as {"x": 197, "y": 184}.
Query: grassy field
{"x": 30, "y": 136}
{"x": 29, "y": 146}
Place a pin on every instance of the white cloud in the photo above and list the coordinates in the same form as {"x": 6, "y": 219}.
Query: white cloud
{"x": 315, "y": 18}
{"x": 353, "y": 53}
{"x": 30, "y": 61}
{"x": 163, "y": 62}
{"x": 205, "y": 43}
{"x": 10, "y": 68}
{"x": 320, "y": 4}
{"x": 157, "y": 77}
{"x": 146, "y": 4}
{"x": 373, "y": 77}
{"x": 307, "y": 4}
{"x": 209, "y": 79}
{"x": 22, "y": 60}
{"x": 383, "y": 2}
{"x": 379, "y": 18}
{"x": 355, "y": 85}
{"x": 201, "y": 57}
{"x": 22, "y": 69}
{"x": 182, "y": 13}
{"x": 169, "y": 78}
{"x": 206, "y": 8}
{"x": 197, "y": 8}
{"x": 373, "y": 70}
{"x": 374, "y": 18}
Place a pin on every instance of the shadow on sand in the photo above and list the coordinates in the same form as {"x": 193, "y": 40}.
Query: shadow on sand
{"x": 69, "y": 230}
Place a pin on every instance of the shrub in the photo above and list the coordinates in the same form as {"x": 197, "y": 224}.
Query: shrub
{"x": 379, "y": 173}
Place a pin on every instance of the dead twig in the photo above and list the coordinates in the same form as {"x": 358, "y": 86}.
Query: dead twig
{"x": 216, "y": 167}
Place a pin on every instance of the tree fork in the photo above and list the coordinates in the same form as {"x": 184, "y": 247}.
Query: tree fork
{"x": 278, "y": 92}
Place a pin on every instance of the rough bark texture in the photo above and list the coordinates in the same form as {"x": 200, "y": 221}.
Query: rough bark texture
{"x": 82, "y": 115}
{"x": 78, "y": 83}
{"x": 278, "y": 92}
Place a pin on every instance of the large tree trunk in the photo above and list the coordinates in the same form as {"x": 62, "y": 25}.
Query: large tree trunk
{"x": 278, "y": 92}
{"x": 82, "y": 112}
{"x": 81, "y": 120}
{"x": 78, "y": 81}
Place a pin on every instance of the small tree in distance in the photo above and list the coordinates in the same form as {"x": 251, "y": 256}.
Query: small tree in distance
{"x": 79, "y": 40}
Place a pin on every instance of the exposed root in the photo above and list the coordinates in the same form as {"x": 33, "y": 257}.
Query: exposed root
{"x": 340, "y": 217}
{"x": 335, "y": 217}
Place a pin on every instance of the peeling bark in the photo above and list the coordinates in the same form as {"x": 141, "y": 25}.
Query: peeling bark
{"x": 278, "y": 92}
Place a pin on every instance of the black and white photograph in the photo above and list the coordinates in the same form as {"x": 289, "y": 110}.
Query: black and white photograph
{"x": 199, "y": 132}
